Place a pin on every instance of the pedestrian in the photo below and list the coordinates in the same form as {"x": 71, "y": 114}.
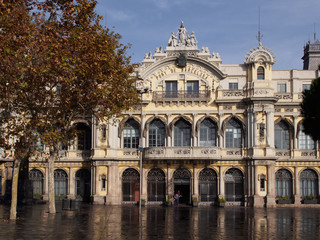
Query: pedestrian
{"x": 176, "y": 197}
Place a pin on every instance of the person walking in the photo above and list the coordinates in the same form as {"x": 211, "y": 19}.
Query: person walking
{"x": 176, "y": 197}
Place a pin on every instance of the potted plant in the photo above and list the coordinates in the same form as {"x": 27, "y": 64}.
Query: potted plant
{"x": 143, "y": 202}
{"x": 195, "y": 202}
{"x": 168, "y": 202}
{"x": 309, "y": 200}
{"x": 284, "y": 200}
{"x": 59, "y": 197}
{"x": 37, "y": 196}
{"x": 221, "y": 202}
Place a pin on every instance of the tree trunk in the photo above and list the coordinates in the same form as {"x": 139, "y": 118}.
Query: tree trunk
{"x": 52, "y": 204}
{"x": 14, "y": 189}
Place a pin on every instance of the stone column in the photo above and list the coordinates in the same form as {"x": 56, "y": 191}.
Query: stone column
{"x": 271, "y": 202}
{"x": 114, "y": 185}
{"x": 270, "y": 129}
{"x": 195, "y": 142}
{"x": 94, "y": 132}
{"x": 221, "y": 145}
{"x": 295, "y": 133}
{"x": 144, "y": 183}
{"x": 221, "y": 183}
{"x": 195, "y": 193}
{"x": 169, "y": 189}
{"x": 254, "y": 128}
{"x": 71, "y": 183}
{"x": 296, "y": 186}
{"x": 168, "y": 136}
{"x": 143, "y": 139}
{"x": 258, "y": 200}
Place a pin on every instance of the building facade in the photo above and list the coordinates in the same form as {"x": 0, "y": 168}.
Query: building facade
{"x": 207, "y": 129}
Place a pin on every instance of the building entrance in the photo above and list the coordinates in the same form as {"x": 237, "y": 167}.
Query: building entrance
{"x": 182, "y": 183}
{"x": 184, "y": 192}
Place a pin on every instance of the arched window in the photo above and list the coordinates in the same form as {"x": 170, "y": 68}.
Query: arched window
{"x": 36, "y": 177}
{"x": 282, "y": 136}
{"x": 83, "y": 136}
{"x": 156, "y": 185}
{"x": 260, "y": 73}
{"x": 208, "y": 133}
{"x": 60, "y": 182}
{"x": 308, "y": 183}
{"x": 208, "y": 185}
{"x": 156, "y": 134}
{"x": 182, "y": 134}
{"x": 305, "y": 141}
{"x": 234, "y": 185}
{"x": 233, "y": 134}
{"x": 130, "y": 185}
{"x": 283, "y": 183}
{"x": 131, "y": 134}
{"x": 83, "y": 182}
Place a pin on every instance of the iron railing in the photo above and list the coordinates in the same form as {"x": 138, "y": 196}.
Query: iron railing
{"x": 202, "y": 95}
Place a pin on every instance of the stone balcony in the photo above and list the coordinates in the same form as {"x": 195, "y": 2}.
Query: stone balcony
{"x": 181, "y": 96}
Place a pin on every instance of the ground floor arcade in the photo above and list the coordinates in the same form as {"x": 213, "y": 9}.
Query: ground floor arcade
{"x": 245, "y": 182}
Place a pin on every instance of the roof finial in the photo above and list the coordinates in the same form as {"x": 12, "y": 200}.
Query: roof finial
{"x": 259, "y": 36}
{"x": 314, "y": 34}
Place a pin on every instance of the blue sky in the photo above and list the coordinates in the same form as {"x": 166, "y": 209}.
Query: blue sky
{"x": 225, "y": 26}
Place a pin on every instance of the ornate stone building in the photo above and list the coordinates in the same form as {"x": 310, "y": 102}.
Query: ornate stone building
{"x": 208, "y": 129}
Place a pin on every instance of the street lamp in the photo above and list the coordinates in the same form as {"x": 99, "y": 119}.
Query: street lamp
{"x": 140, "y": 148}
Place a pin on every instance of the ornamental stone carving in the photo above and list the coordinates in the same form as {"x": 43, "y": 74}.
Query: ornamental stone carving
{"x": 283, "y": 153}
{"x": 234, "y": 152}
{"x": 260, "y": 54}
{"x": 182, "y": 39}
{"x": 233, "y": 93}
{"x": 308, "y": 154}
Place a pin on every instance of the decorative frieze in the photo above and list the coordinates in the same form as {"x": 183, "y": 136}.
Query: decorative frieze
{"x": 182, "y": 151}
{"x": 283, "y": 153}
{"x": 308, "y": 154}
{"x": 208, "y": 151}
{"x": 284, "y": 96}
{"x": 154, "y": 151}
{"x": 130, "y": 153}
{"x": 233, "y": 93}
{"x": 234, "y": 152}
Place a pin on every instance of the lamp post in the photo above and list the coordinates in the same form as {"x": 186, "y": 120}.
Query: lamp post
{"x": 140, "y": 149}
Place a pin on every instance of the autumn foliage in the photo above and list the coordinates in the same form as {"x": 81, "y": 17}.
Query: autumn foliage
{"x": 58, "y": 64}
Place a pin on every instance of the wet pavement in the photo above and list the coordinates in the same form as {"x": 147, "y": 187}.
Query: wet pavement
{"x": 157, "y": 222}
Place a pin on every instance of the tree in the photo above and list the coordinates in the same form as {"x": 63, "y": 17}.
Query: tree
{"x": 310, "y": 110}
{"x": 17, "y": 121}
{"x": 74, "y": 69}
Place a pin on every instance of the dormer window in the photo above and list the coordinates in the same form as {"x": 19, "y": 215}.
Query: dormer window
{"x": 260, "y": 73}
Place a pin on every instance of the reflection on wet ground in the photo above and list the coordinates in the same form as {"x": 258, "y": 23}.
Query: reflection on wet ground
{"x": 157, "y": 222}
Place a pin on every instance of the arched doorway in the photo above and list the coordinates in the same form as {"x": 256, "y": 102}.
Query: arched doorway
{"x": 207, "y": 185}
{"x": 181, "y": 181}
{"x": 283, "y": 183}
{"x": 83, "y": 182}
{"x": 156, "y": 185}
{"x": 308, "y": 183}
{"x": 130, "y": 185}
{"x": 234, "y": 185}
{"x": 36, "y": 178}
{"x": 60, "y": 183}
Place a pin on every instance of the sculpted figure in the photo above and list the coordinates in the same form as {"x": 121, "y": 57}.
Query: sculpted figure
{"x": 173, "y": 40}
{"x": 193, "y": 40}
{"x": 182, "y": 35}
